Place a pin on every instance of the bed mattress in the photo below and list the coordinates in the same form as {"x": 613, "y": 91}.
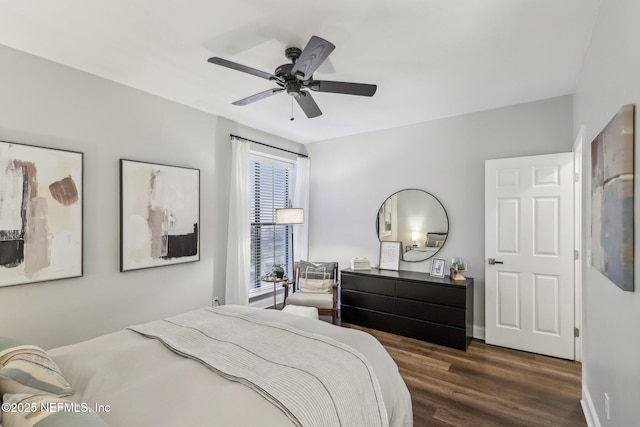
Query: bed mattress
{"x": 132, "y": 380}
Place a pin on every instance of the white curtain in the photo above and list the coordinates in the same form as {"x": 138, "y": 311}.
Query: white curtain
{"x": 239, "y": 231}
{"x": 301, "y": 200}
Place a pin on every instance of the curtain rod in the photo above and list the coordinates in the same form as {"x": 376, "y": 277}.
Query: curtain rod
{"x": 267, "y": 145}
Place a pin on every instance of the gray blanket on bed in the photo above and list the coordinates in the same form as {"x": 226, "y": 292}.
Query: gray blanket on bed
{"x": 318, "y": 382}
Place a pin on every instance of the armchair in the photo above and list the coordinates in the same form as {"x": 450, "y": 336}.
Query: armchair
{"x": 315, "y": 285}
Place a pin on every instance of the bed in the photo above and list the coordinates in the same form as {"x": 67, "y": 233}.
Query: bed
{"x": 131, "y": 379}
{"x": 419, "y": 253}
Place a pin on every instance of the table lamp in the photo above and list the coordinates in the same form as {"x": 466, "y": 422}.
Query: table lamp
{"x": 288, "y": 216}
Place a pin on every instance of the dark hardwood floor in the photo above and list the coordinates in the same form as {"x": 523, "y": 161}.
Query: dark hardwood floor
{"x": 486, "y": 385}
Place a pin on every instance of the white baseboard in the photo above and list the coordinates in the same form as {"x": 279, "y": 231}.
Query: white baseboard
{"x": 478, "y": 332}
{"x": 590, "y": 414}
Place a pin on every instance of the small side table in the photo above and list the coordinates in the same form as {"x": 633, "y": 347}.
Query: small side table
{"x": 275, "y": 281}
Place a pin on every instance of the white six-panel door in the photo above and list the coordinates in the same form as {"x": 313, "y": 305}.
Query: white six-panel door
{"x": 529, "y": 233}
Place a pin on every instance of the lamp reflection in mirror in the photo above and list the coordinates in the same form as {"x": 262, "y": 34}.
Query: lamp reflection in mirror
{"x": 415, "y": 235}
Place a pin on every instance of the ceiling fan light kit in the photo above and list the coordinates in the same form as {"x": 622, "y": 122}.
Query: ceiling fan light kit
{"x": 298, "y": 75}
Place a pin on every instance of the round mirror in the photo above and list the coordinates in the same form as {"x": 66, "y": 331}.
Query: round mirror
{"x": 415, "y": 218}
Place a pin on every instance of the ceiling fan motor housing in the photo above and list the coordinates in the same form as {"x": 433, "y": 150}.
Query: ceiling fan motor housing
{"x": 284, "y": 71}
{"x": 289, "y": 82}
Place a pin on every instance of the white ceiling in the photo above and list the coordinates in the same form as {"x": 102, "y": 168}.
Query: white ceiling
{"x": 429, "y": 58}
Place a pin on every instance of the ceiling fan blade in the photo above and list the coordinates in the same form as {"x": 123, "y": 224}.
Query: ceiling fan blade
{"x": 258, "y": 96}
{"x": 308, "y": 105}
{"x": 314, "y": 53}
{"x": 347, "y": 88}
{"x": 243, "y": 68}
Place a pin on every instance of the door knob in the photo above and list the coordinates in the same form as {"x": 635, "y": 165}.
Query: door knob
{"x": 493, "y": 261}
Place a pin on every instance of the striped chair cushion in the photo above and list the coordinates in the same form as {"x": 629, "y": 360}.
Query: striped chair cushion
{"x": 316, "y": 277}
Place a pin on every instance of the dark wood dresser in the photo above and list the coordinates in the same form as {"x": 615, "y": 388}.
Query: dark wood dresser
{"x": 409, "y": 303}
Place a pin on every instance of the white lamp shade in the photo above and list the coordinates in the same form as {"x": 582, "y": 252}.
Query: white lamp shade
{"x": 290, "y": 216}
{"x": 415, "y": 235}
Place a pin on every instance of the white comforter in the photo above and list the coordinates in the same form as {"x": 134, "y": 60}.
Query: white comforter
{"x": 419, "y": 254}
{"x": 137, "y": 381}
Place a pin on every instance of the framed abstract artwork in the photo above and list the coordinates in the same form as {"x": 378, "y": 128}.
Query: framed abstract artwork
{"x": 159, "y": 215}
{"x": 40, "y": 214}
{"x": 612, "y": 176}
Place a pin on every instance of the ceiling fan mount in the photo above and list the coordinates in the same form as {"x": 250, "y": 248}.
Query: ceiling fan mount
{"x": 298, "y": 75}
{"x": 292, "y": 53}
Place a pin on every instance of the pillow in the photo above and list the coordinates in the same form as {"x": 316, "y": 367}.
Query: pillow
{"x": 435, "y": 240}
{"x": 28, "y": 369}
{"x": 433, "y": 244}
{"x": 316, "y": 277}
{"x": 27, "y": 410}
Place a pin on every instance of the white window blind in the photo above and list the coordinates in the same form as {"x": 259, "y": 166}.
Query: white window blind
{"x": 270, "y": 243}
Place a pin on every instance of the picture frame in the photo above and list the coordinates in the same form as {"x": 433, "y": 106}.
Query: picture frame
{"x": 41, "y": 214}
{"x": 385, "y": 219}
{"x": 390, "y": 254}
{"x": 159, "y": 215}
{"x": 612, "y": 199}
{"x": 438, "y": 266}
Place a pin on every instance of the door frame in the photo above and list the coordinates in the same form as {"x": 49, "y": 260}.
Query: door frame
{"x": 578, "y": 163}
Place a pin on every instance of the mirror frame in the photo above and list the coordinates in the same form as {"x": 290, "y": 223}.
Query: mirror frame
{"x": 428, "y": 194}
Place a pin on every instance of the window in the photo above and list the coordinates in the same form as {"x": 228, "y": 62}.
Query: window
{"x": 271, "y": 188}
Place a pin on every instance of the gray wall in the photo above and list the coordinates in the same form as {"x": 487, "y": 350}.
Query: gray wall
{"x": 352, "y": 176}
{"x": 608, "y": 80}
{"x": 46, "y": 104}
{"x": 51, "y": 105}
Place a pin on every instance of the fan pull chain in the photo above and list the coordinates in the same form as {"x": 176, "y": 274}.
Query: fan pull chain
{"x": 291, "y": 109}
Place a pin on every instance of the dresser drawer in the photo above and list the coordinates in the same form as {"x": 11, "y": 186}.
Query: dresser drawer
{"x": 382, "y": 303}
{"x": 447, "y": 295}
{"x": 373, "y": 285}
{"x": 451, "y": 316}
{"x": 367, "y": 318}
{"x": 432, "y": 332}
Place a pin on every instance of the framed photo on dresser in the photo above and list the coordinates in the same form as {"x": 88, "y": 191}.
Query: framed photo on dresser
{"x": 438, "y": 265}
{"x": 390, "y": 253}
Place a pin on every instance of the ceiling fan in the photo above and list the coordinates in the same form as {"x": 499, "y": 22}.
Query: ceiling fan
{"x": 298, "y": 75}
